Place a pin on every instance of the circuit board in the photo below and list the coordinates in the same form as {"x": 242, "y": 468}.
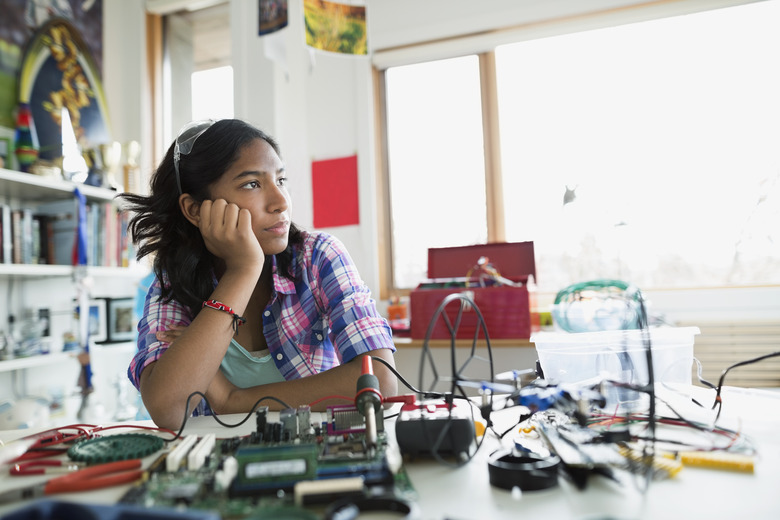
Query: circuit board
{"x": 284, "y": 469}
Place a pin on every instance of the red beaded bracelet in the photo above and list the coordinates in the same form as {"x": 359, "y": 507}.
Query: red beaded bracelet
{"x": 219, "y": 306}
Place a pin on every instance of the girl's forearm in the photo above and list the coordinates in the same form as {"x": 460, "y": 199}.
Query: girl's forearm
{"x": 192, "y": 361}
{"x": 338, "y": 381}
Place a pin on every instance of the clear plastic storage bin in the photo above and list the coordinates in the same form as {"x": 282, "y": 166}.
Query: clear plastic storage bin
{"x": 587, "y": 358}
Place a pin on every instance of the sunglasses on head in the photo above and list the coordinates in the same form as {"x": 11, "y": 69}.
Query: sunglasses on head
{"x": 185, "y": 141}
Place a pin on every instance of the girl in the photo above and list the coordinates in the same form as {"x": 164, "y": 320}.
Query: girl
{"x": 245, "y": 305}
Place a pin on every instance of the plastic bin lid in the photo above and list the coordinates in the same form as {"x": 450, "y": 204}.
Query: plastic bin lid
{"x": 556, "y": 339}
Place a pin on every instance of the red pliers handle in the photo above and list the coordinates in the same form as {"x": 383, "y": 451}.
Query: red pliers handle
{"x": 96, "y": 477}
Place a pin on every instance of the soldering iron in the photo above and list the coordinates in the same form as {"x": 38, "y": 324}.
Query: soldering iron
{"x": 368, "y": 400}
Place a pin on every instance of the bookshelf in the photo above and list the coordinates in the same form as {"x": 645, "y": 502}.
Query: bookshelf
{"x": 44, "y": 200}
{"x": 52, "y": 285}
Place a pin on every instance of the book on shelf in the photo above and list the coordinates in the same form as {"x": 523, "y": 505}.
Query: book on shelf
{"x": 62, "y": 223}
{"x": 16, "y": 235}
{"x": 7, "y": 236}
{"x": 47, "y": 234}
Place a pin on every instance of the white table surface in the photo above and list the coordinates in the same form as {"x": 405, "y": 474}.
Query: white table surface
{"x": 465, "y": 492}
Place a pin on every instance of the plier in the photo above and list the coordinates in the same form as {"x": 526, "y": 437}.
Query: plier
{"x": 93, "y": 477}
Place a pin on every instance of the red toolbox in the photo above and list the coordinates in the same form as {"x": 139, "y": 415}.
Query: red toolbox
{"x": 506, "y": 308}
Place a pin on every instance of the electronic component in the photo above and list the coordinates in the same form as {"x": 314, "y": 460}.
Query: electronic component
{"x": 289, "y": 421}
{"x": 529, "y": 472}
{"x": 307, "y": 492}
{"x": 264, "y": 468}
{"x": 717, "y": 460}
{"x": 292, "y": 461}
{"x": 663, "y": 467}
{"x": 197, "y": 457}
{"x": 177, "y": 455}
{"x": 115, "y": 447}
{"x": 226, "y": 473}
{"x": 346, "y": 419}
{"x": 304, "y": 420}
{"x": 580, "y": 447}
{"x": 433, "y": 427}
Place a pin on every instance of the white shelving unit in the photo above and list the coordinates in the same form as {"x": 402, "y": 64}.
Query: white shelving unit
{"x": 40, "y": 284}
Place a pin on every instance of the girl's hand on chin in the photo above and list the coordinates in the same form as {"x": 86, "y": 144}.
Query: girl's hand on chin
{"x": 227, "y": 232}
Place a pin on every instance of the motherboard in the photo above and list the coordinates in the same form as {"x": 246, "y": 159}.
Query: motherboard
{"x": 287, "y": 468}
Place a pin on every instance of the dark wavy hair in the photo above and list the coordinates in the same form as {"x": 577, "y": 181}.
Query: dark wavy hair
{"x": 158, "y": 227}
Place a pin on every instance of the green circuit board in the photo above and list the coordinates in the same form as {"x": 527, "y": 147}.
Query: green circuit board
{"x": 249, "y": 477}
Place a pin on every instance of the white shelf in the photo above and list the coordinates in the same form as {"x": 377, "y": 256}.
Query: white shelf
{"x": 39, "y": 360}
{"x": 45, "y": 271}
{"x": 10, "y": 365}
{"x": 27, "y": 186}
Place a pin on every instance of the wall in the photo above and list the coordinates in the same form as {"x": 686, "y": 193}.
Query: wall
{"x": 318, "y": 106}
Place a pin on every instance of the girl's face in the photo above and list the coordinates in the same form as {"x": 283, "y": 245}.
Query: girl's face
{"x": 257, "y": 182}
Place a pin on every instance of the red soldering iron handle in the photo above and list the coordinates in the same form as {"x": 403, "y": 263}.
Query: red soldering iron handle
{"x": 368, "y": 392}
{"x": 368, "y": 365}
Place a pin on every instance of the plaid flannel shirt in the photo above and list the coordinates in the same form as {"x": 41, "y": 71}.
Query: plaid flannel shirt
{"x": 325, "y": 318}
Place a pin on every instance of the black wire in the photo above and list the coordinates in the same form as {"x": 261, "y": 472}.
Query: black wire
{"x": 436, "y": 446}
{"x": 216, "y": 418}
{"x": 426, "y": 354}
{"x": 699, "y": 375}
{"x": 718, "y": 401}
{"x": 428, "y": 395}
{"x": 648, "y": 449}
{"x": 457, "y": 376}
{"x": 502, "y": 435}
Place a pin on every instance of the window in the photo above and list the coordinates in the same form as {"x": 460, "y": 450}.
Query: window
{"x": 212, "y": 93}
{"x": 197, "y": 80}
{"x": 636, "y": 152}
{"x": 436, "y": 160}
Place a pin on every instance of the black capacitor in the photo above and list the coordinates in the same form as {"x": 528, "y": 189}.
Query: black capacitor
{"x": 262, "y": 419}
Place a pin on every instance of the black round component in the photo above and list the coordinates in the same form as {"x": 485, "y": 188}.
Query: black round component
{"x": 530, "y": 473}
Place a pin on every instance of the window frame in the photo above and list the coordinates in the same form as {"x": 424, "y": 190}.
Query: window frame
{"x": 496, "y": 231}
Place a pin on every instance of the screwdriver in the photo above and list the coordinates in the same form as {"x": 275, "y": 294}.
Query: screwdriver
{"x": 368, "y": 399}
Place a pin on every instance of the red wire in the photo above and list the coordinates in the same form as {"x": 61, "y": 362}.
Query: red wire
{"x": 328, "y": 397}
{"x": 60, "y": 435}
{"x": 135, "y": 426}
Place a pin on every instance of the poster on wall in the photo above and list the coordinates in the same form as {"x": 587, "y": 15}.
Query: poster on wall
{"x": 272, "y": 16}
{"x": 59, "y": 74}
{"x": 336, "y": 27}
{"x": 19, "y": 22}
{"x": 334, "y": 185}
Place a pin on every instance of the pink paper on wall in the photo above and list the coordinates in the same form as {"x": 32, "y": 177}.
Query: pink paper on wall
{"x": 334, "y": 184}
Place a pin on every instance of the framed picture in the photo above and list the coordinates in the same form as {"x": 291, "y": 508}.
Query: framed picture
{"x": 97, "y": 319}
{"x": 58, "y": 72}
{"x": 121, "y": 322}
{"x": 273, "y": 16}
